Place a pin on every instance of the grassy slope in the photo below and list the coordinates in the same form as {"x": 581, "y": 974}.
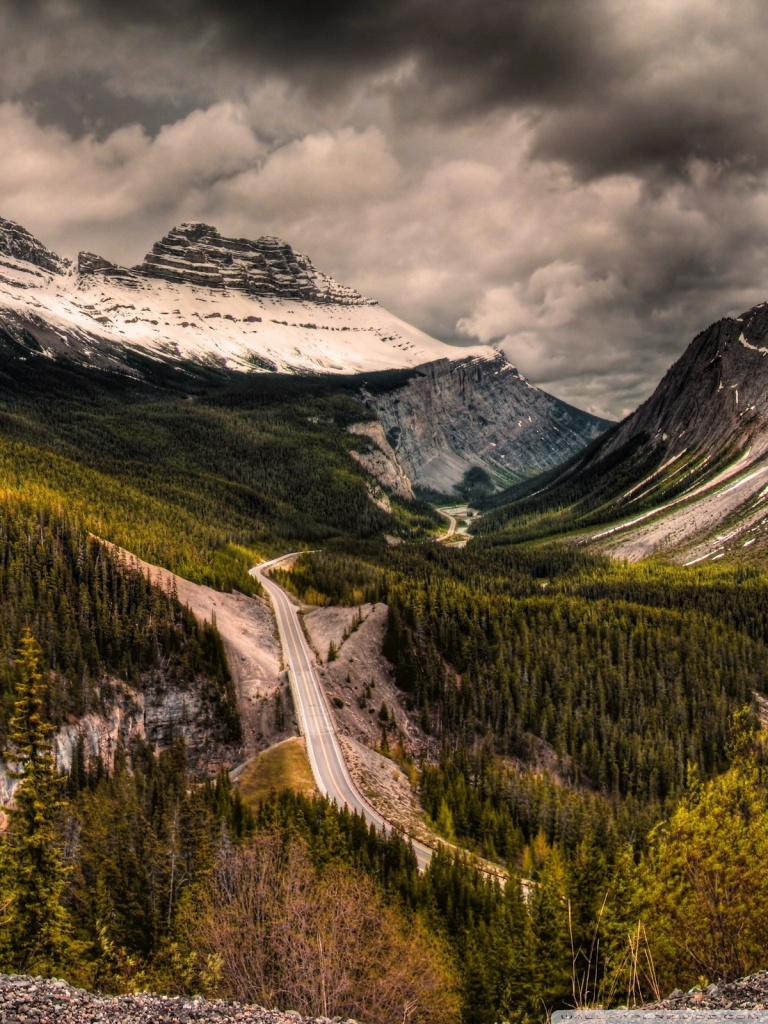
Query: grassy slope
{"x": 284, "y": 766}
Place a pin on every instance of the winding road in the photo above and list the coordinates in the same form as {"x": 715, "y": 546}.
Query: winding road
{"x": 451, "y": 526}
{"x": 315, "y": 721}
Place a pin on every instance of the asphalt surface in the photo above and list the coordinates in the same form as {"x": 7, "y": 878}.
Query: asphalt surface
{"x": 315, "y": 720}
{"x": 451, "y": 526}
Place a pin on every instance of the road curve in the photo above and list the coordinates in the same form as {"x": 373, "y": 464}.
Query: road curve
{"x": 315, "y": 722}
{"x": 451, "y": 526}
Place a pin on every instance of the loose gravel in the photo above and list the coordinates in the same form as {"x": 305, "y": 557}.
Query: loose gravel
{"x": 25, "y": 1000}
{"x": 744, "y": 1001}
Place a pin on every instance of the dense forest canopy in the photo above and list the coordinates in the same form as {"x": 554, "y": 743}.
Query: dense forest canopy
{"x": 98, "y": 621}
{"x": 629, "y": 673}
{"x": 204, "y": 474}
{"x": 587, "y": 718}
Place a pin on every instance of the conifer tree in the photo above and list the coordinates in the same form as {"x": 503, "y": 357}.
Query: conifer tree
{"x": 36, "y": 926}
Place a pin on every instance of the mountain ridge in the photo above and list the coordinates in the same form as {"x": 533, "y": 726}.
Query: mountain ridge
{"x": 202, "y": 302}
{"x": 686, "y": 473}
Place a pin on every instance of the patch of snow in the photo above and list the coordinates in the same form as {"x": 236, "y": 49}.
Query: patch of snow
{"x": 654, "y": 474}
{"x": 291, "y": 335}
{"x": 755, "y": 348}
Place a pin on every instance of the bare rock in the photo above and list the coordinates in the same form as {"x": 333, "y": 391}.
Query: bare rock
{"x": 452, "y": 416}
{"x": 197, "y": 254}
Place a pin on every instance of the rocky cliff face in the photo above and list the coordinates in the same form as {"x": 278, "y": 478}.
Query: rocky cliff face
{"x": 687, "y": 472}
{"x": 197, "y": 254}
{"x": 19, "y": 244}
{"x": 380, "y": 460}
{"x": 159, "y": 714}
{"x": 714, "y": 396}
{"x": 452, "y": 416}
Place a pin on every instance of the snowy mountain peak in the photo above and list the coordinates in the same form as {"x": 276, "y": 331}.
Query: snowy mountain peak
{"x": 18, "y": 245}
{"x": 201, "y": 297}
{"x": 197, "y": 254}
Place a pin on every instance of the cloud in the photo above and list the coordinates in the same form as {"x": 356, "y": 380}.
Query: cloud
{"x": 111, "y": 191}
{"x": 585, "y": 184}
{"x": 509, "y": 48}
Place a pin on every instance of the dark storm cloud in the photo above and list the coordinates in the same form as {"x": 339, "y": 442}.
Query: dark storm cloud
{"x": 617, "y": 87}
{"x": 584, "y": 182}
{"x": 503, "y": 50}
{"x": 83, "y": 103}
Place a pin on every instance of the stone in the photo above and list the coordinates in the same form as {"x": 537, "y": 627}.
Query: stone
{"x": 451, "y": 416}
{"x": 198, "y": 254}
{"x": 18, "y": 243}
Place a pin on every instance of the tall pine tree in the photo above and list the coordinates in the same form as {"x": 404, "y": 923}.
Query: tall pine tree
{"x": 36, "y": 928}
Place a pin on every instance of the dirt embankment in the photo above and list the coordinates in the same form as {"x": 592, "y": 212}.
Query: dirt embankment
{"x": 366, "y": 705}
{"x": 250, "y": 639}
{"x": 359, "y": 681}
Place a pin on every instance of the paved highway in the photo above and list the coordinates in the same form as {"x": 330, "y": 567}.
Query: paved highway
{"x": 451, "y": 526}
{"x": 315, "y": 721}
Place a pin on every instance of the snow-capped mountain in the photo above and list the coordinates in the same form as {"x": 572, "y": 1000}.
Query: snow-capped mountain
{"x": 259, "y": 306}
{"x": 201, "y": 297}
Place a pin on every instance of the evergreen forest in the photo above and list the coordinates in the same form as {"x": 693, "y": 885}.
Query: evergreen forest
{"x": 595, "y": 728}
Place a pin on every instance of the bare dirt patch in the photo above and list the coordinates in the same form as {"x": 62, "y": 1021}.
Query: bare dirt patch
{"x": 387, "y": 787}
{"x": 247, "y": 628}
{"x": 360, "y": 678}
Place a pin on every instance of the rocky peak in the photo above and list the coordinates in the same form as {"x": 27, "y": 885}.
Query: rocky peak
{"x": 89, "y": 264}
{"x": 198, "y": 254}
{"x": 19, "y": 244}
{"x": 714, "y": 396}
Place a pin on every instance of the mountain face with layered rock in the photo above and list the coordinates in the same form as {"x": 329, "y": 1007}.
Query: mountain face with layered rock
{"x": 233, "y": 305}
{"x": 687, "y": 472}
{"x": 455, "y": 415}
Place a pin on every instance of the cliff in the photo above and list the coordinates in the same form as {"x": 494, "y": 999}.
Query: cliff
{"x": 452, "y": 416}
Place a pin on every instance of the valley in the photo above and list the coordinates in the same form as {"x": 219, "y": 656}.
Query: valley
{"x": 515, "y": 653}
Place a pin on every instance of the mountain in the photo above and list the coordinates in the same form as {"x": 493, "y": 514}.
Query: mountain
{"x": 202, "y": 298}
{"x": 232, "y": 305}
{"x": 477, "y": 423}
{"x": 687, "y": 472}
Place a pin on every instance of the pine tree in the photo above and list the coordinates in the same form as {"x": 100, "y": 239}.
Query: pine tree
{"x": 36, "y": 932}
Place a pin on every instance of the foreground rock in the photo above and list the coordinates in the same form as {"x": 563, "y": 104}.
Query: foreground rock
{"x": 744, "y": 1000}
{"x": 746, "y": 994}
{"x": 25, "y": 999}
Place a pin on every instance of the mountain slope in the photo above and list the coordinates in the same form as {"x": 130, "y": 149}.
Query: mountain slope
{"x": 687, "y": 472}
{"x": 197, "y": 296}
{"x": 201, "y": 303}
{"x": 453, "y": 417}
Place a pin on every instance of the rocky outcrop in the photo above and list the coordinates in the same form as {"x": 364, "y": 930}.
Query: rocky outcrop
{"x": 46, "y": 1000}
{"x": 380, "y": 461}
{"x": 197, "y": 254}
{"x": 19, "y": 244}
{"x": 686, "y": 473}
{"x": 159, "y": 715}
{"x": 715, "y": 395}
{"x": 89, "y": 264}
{"x": 452, "y": 416}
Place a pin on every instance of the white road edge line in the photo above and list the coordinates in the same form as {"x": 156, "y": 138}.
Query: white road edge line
{"x": 318, "y": 729}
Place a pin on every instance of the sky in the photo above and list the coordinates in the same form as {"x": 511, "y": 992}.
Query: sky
{"x": 583, "y": 183}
